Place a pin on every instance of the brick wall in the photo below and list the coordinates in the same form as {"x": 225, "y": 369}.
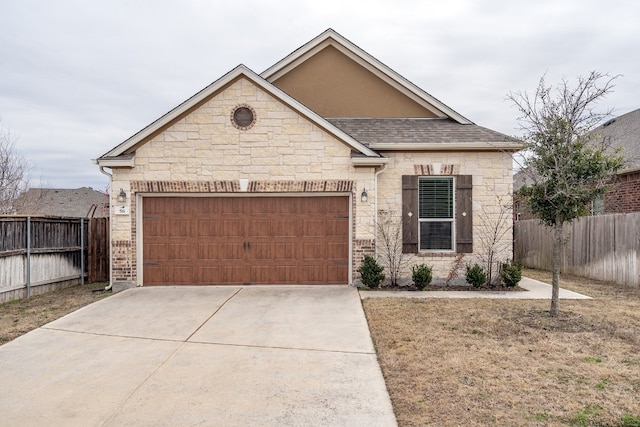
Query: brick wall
{"x": 625, "y": 196}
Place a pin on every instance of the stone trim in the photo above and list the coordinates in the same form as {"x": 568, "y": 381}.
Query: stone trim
{"x": 436, "y": 169}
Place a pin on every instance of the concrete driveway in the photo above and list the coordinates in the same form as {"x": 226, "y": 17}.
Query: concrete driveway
{"x": 184, "y": 356}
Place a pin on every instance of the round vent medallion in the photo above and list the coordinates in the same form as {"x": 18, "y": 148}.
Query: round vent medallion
{"x": 243, "y": 117}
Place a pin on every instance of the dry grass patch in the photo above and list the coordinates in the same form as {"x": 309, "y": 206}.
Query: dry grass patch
{"x": 21, "y": 316}
{"x": 450, "y": 362}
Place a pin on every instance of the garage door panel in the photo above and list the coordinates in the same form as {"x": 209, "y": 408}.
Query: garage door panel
{"x": 286, "y": 274}
{"x": 241, "y": 240}
{"x": 336, "y": 227}
{"x": 274, "y": 252}
{"x": 224, "y": 227}
{"x": 221, "y": 251}
{"x": 337, "y": 251}
{"x": 179, "y": 251}
{"x": 221, "y": 275}
{"x": 180, "y": 228}
{"x": 179, "y": 275}
{"x": 314, "y": 228}
{"x": 155, "y": 228}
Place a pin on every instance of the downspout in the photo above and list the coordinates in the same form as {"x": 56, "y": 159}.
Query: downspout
{"x": 108, "y": 288}
{"x": 375, "y": 208}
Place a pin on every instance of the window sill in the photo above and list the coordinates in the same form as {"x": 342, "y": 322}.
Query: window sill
{"x": 447, "y": 254}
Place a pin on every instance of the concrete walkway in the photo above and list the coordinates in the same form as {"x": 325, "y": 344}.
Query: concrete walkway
{"x": 206, "y": 356}
{"x": 534, "y": 290}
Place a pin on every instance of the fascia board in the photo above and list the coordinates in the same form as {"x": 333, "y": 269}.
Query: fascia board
{"x": 369, "y": 161}
{"x": 454, "y": 146}
{"x": 115, "y": 163}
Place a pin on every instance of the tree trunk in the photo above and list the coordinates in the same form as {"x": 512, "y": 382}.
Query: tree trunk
{"x": 557, "y": 255}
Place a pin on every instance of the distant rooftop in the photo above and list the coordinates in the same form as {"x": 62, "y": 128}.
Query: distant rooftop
{"x": 82, "y": 202}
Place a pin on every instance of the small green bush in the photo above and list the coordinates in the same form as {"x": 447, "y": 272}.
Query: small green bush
{"x": 511, "y": 274}
{"x": 422, "y": 275}
{"x": 371, "y": 272}
{"x": 476, "y": 275}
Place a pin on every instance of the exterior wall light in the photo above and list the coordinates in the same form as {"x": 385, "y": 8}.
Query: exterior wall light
{"x": 122, "y": 196}
{"x": 364, "y": 195}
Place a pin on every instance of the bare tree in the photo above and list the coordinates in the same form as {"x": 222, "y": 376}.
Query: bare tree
{"x": 569, "y": 166}
{"x": 496, "y": 231}
{"x": 389, "y": 243}
{"x": 14, "y": 173}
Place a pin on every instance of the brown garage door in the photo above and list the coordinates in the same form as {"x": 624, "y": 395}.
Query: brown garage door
{"x": 245, "y": 240}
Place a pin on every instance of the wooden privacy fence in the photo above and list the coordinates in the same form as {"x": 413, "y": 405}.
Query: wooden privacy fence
{"x": 602, "y": 247}
{"x": 38, "y": 254}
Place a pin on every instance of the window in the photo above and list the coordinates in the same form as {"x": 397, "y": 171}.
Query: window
{"x": 435, "y": 213}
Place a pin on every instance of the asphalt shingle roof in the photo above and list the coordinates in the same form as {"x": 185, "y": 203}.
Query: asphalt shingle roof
{"x": 78, "y": 203}
{"x": 405, "y": 131}
{"x": 624, "y": 132}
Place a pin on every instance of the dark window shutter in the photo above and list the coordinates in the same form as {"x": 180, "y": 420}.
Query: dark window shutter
{"x": 464, "y": 214}
{"x": 409, "y": 214}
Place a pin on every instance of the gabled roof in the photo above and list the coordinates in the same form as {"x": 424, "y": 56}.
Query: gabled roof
{"x": 424, "y": 134}
{"x": 122, "y": 155}
{"x": 332, "y": 38}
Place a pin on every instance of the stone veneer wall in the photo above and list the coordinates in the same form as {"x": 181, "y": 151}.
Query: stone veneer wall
{"x": 492, "y": 188}
{"x": 204, "y": 153}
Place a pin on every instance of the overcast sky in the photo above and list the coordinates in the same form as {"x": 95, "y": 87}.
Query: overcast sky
{"x": 79, "y": 77}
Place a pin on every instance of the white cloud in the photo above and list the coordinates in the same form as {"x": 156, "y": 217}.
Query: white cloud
{"x": 79, "y": 77}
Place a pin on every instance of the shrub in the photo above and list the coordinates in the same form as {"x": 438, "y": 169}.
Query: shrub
{"x": 422, "y": 275}
{"x": 476, "y": 275}
{"x": 510, "y": 273}
{"x": 371, "y": 272}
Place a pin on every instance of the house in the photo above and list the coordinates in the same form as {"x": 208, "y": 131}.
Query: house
{"x": 277, "y": 178}
{"x": 84, "y": 202}
{"x": 621, "y": 132}
{"x": 624, "y": 132}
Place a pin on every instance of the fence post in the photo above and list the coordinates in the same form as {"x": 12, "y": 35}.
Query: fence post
{"x": 28, "y": 261}
{"x": 82, "y": 251}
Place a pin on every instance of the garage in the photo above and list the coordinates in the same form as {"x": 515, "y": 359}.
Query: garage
{"x": 245, "y": 240}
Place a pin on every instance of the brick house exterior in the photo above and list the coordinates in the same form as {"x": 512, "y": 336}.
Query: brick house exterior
{"x": 621, "y": 132}
{"x": 280, "y": 177}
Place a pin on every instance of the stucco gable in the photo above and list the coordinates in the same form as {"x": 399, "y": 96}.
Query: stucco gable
{"x": 121, "y": 155}
{"x": 330, "y": 63}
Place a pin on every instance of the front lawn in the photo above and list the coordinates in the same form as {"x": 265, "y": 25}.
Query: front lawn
{"x": 480, "y": 362}
{"x": 21, "y": 316}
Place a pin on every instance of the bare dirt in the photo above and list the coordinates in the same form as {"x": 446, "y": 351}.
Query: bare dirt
{"x": 481, "y": 362}
{"x": 21, "y": 316}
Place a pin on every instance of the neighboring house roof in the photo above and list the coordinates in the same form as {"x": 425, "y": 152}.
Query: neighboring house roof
{"x": 332, "y": 38}
{"x": 126, "y": 148}
{"x": 423, "y": 134}
{"x": 624, "y": 132}
{"x": 78, "y": 203}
